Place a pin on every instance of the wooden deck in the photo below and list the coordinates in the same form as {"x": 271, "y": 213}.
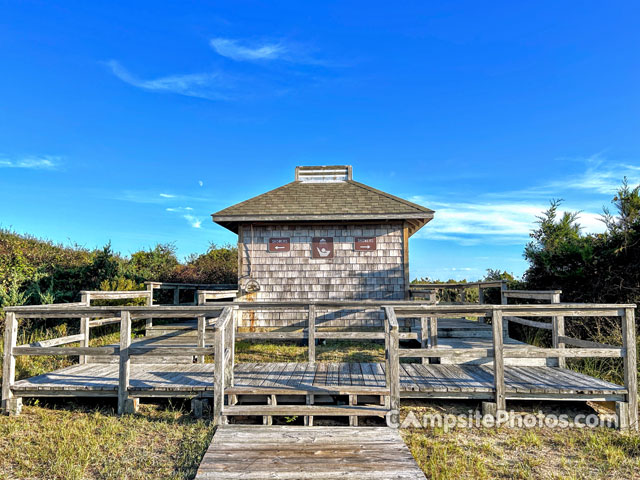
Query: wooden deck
{"x": 286, "y": 452}
{"x": 416, "y": 380}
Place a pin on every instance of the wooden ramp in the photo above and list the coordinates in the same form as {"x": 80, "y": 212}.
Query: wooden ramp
{"x": 287, "y": 452}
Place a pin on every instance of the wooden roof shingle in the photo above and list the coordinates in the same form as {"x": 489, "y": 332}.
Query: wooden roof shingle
{"x": 304, "y": 201}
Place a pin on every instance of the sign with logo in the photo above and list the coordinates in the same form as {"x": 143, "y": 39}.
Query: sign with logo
{"x": 322, "y": 247}
{"x": 279, "y": 244}
{"x": 365, "y": 244}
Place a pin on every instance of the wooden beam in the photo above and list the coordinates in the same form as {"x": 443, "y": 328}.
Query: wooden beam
{"x": 124, "y": 370}
{"x": 630, "y": 366}
{"x": 9, "y": 362}
{"x": 311, "y": 329}
{"x": 498, "y": 360}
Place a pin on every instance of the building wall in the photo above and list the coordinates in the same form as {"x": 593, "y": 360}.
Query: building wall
{"x": 296, "y": 276}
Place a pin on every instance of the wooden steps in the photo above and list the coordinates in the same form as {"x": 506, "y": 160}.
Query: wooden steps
{"x": 315, "y": 410}
{"x": 303, "y": 453}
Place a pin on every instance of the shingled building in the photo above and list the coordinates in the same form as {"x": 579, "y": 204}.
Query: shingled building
{"x": 323, "y": 236}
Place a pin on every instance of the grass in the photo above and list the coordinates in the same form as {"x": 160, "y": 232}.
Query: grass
{"x": 530, "y": 453}
{"x": 77, "y": 442}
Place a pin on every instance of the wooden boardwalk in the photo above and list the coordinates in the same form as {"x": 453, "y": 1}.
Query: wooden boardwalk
{"x": 287, "y": 452}
{"x": 416, "y": 380}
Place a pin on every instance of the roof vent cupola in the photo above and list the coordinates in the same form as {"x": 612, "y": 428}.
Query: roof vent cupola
{"x": 324, "y": 174}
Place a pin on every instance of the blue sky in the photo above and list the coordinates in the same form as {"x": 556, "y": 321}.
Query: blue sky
{"x": 133, "y": 123}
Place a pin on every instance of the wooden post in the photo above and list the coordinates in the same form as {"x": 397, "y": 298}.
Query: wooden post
{"x": 392, "y": 370}
{"x": 424, "y": 336}
{"x": 504, "y": 301}
{"x": 125, "y": 404}
{"x": 84, "y": 328}
{"x": 228, "y": 349}
{"x": 218, "y": 376}
{"x": 630, "y": 366}
{"x": 308, "y": 419}
{"x": 232, "y": 359}
{"x": 176, "y": 296}
{"x": 201, "y": 298}
{"x": 557, "y": 324}
{"x": 10, "y": 404}
{"x": 312, "y": 333}
{"x": 433, "y": 336}
{"x": 463, "y": 295}
{"x": 498, "y": 360}
{"x": 481, "y": 302}
{"x": 149, "y": 321}
{"x": 201, "y": 336}
{"x": 353, "y": 419}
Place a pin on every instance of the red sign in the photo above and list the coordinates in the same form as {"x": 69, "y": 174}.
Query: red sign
{"x": 365, "y": 244}
{"x": 322, "y": 247}
{"x": 279, "y": 244}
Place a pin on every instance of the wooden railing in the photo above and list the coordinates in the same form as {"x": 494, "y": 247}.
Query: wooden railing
{"x": 312, "y": 332}
{"x": 201, "y": 291}
{"x": 430, "y": 290}
{"x": 222, "y": 318}
{"x": 557, "y": 323}
{"x": 628, "y": 410}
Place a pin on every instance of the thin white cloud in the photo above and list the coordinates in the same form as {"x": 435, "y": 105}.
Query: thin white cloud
{"x": 179, "y": 209}
{"x": 193, "y": 221}
{"x": 167, "y": 195}
{"x": 201, "y": 183}
{"x": 262, "y": 52}
{"x": 234, "y": 50}
{"x": 473, "y": 223}
{"x": 210, "y": 86}
{"x": 43, "y": 162}
{"x": 601, "y": 176}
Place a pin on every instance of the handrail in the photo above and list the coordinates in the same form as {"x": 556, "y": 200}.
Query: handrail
{"x": 223, "y": 320}
{"x": 532, "y": 294}
{"x": 116, "y": 294}
{"x": 487, "y": 284}
{"x": 55, "y": 341}
{"x": 192, "y": 286}
{"x": 584, "y": 348}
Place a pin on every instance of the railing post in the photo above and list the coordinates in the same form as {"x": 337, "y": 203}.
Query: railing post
{"x": 311, "y": 328}
{"x": 392, "y": 370}
{"x": 630, "y": 366}
{"x": 84, "y": 327}
{"x": 504, "y": 301}
{"x": 125, "y": 404}
{"x": 557, "y": 324}
{"x": 149, "y": 321}
{"x": 433, "y": 337}
{"x": 10, "y": 404}
{"x": 424, "y": 336}
{"x": 176, "y": 296}
{"x": 201, "y": 298}
{"x": 234, "y": 326}
{"x": 218, "y": 374}
{"x": 228, "y": 347}
{"x": 201, "y": 335}
{"x": 498, "y": 360}
{"x": 481, "y": 302}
